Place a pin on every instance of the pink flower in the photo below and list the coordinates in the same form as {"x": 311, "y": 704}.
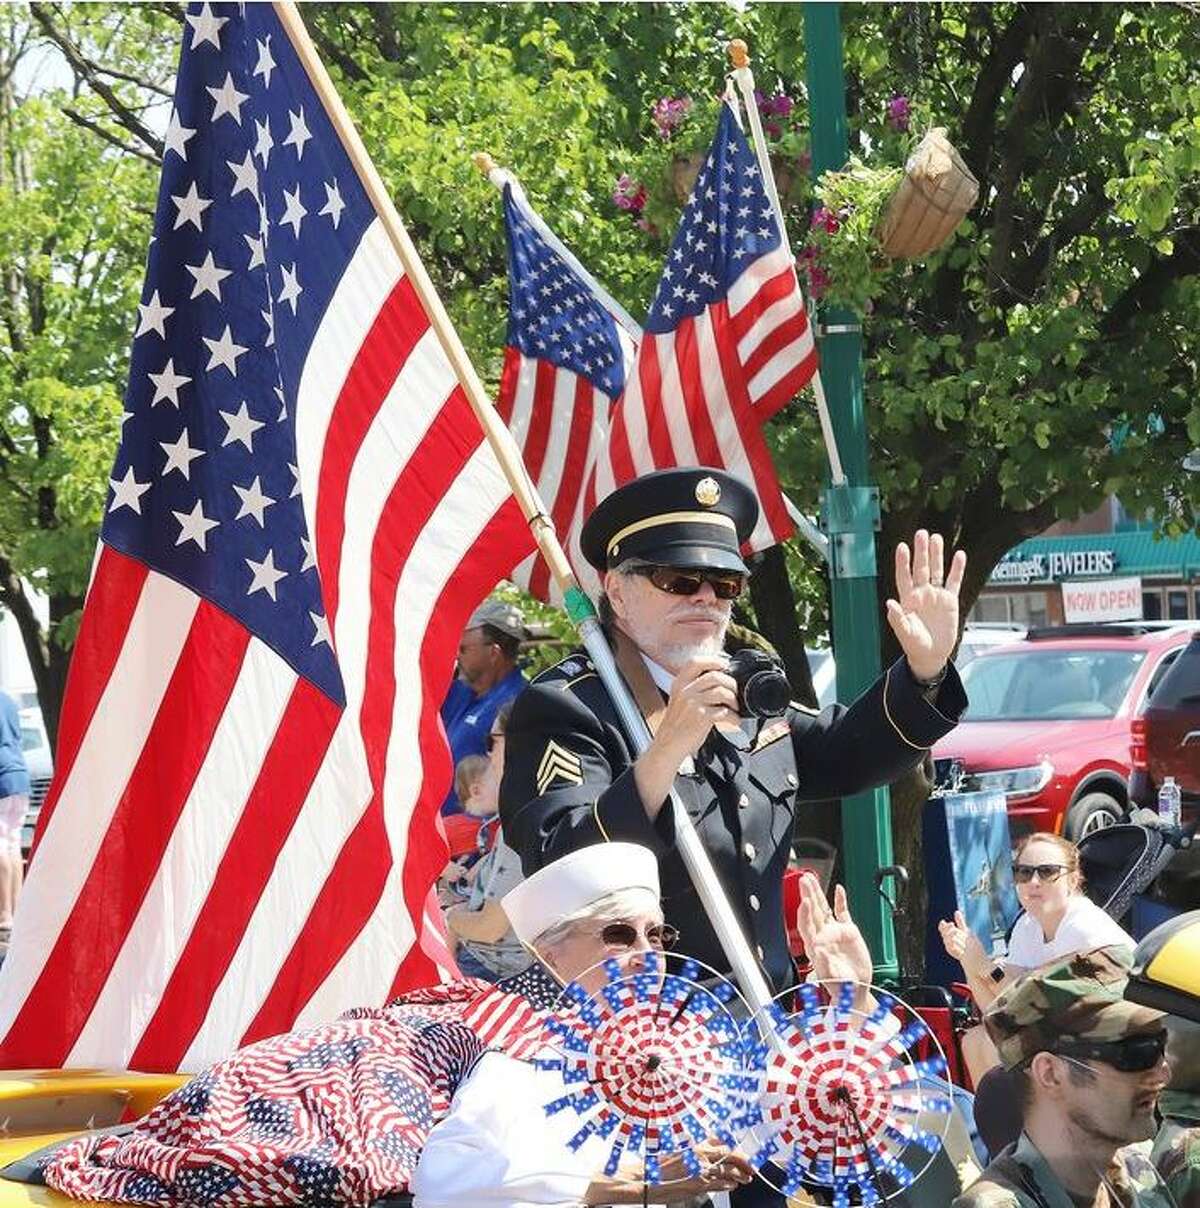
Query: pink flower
{"x": 818, "y": 281}
{"x": 804, "y": 162}
{"x": 899, "y": 112}
{"x": 629, "y": 194}
{"x": 778, "y": 105}
{"x": 668, "y": 114}
{"x": 646, "y": 225}
{"x": 825, "y": 220}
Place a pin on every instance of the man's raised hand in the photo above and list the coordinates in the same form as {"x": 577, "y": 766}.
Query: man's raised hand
{"x": 924, "y": 614}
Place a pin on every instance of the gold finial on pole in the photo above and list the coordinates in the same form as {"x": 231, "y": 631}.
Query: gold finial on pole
{"x": 483, "y": 161}
{"x": 739, "y": 53}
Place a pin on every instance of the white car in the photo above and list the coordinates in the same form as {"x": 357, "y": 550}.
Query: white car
{"x": 39, "y": 759}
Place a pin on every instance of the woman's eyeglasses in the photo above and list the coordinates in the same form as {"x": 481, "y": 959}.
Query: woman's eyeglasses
{"x": 492, "y": 740}
{"x": 726, "y": 584}
{"x": 624, "y": 935}
{"x": 1046, "y": 873}
{"x": 1130, "y": 1055}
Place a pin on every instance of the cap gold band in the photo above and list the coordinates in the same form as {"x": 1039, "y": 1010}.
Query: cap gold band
{"x": 717, "y": 518}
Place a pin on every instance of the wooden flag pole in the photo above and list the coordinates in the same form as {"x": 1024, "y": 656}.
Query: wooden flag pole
{"x": 579, "y": 608}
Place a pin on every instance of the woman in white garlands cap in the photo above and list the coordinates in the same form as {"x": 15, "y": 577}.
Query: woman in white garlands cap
{"x": 497, "y": 1146}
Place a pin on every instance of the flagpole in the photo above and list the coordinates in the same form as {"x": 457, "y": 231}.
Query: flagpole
{"x": 740, "y": 57}
{"x": 578, "y": 606}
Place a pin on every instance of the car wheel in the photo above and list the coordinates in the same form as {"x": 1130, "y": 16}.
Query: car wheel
{"x": 1092, "y": 812}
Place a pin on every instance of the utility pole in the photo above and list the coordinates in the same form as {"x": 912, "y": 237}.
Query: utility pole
{"x": 850, "y": 510}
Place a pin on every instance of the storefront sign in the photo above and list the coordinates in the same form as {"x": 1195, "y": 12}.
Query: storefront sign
{"x": 1050, "y": 568}
{"x": 1106, "y": 600}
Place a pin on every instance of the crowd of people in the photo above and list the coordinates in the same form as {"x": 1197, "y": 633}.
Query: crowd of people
{"x": 564, "y": 855}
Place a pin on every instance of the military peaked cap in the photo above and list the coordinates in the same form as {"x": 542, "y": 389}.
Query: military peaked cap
{"x": 695, "y": 517}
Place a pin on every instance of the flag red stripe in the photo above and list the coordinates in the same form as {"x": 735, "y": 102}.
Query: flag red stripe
{"x": 291, "y": 764}
{"x": 112, "y": 598}
{"x": 398, "y": 327}
{"x": 766, "y": 485}
{"x": 790, "y": 331}
{"x": 650, "y": 374}
{"x": 60, "y": 1001}
{"x": 509, "y": 377}
{"x": 352, "y": 889}
{"x": 687, "y": 355}
{"x": 786, "y": 388}
{"x": 770, "y": 292}
{"x": 538, "y": 435}
{"x": 473, "y": 578}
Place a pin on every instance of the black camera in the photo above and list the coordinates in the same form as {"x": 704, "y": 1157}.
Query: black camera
{"x": 762, "y": 687}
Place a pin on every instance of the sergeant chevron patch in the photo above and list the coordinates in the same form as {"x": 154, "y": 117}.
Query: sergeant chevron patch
{"x": 558, "y": 764}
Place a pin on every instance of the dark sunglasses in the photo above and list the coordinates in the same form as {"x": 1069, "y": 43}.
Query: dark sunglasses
{"x": 1132, "y": 1055}
{"x": 726, "y": 584}
{"x": 492, "y": 740}
{"x": 1046, "y": 873}
{"x": 625, "y": 935}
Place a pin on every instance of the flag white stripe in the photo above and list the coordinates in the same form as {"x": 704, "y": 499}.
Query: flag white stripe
{"x": 675, "y": 404}
{"x": 191, "y": 859}
{"x": 762, "y": 270}
{"x": 776, "y": 314}
{"x": 716, "y": 400}
{"x": 372, "y": 274}
{"x": 523, "y": 394}
{"x": 563, "y": 407}
{"x": 777, "y": 368}
{"x": 461, "y": 516}
{"x": 106, "y": 758}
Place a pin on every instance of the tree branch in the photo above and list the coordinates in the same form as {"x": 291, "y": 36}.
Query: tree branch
{"x": 1147, "y": 294}
{"x": 87, "y": 71}
{"x": 111, "y": 139}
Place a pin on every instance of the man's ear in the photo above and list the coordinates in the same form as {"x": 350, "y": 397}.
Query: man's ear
{"x": 1048, "y": 1072}
{"x": 614, "y": 589}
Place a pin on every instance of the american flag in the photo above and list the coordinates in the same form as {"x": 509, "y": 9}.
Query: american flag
{"x": 727, "y": 344}
{"x": 241, "y": 835}
{"x": 568, "y": 352}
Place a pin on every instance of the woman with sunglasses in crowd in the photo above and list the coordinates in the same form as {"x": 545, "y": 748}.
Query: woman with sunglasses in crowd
{"x": 1057, "y": 919}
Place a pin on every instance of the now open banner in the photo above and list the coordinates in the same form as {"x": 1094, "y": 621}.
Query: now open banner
{"x": 1103, "y": 600}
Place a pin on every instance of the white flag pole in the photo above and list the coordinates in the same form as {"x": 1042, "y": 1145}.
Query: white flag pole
{"x": 744, "y": 78}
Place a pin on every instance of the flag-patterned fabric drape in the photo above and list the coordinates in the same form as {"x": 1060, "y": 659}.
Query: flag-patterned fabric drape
{"x": 241, "y": 836}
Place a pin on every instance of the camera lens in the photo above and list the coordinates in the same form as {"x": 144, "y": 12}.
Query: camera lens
{"x": 763, "y": 689}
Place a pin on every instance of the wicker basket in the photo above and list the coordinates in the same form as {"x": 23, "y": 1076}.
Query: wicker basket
{"x": 934, "y": 196}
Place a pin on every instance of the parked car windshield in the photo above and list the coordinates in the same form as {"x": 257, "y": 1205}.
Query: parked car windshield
{"x": 1044, "y": 685}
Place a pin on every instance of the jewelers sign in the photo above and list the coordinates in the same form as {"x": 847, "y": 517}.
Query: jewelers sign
{"x": 1103, "y": 600}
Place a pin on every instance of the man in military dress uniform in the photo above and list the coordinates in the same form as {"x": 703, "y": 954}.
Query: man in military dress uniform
{"x": 667, "y": 546}
{"x": 1089, "y": 1070}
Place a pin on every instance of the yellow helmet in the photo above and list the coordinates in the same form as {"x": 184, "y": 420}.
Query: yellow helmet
{"x": 1166, "y": 968}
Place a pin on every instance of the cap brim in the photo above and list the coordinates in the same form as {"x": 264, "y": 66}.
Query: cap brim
{"x": 687, "y": 555}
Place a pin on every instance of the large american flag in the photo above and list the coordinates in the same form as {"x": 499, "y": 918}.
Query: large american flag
{"x": 241, "y": 835}
{"x": 726, "y": 344}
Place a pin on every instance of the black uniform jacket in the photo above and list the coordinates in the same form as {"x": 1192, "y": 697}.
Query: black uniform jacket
{"x": 568, "y": 783}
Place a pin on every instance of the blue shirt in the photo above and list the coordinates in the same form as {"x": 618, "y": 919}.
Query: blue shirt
{"x": 14, "y": 776}
{"x": 468, "y": 720}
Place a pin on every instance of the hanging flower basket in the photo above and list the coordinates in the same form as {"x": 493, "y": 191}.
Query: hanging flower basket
{"x": 933, "y": 198}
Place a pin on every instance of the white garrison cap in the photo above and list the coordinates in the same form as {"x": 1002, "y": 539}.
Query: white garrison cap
{"x": 575, "y": 881}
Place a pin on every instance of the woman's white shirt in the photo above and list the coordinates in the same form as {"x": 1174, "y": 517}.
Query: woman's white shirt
{"x": 497, "y": 1146}
{"x": 1084, "y": 926}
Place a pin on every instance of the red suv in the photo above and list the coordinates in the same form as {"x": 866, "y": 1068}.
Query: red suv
{"x": 1049, "y": 721}
{"x": 1166, "y": 737}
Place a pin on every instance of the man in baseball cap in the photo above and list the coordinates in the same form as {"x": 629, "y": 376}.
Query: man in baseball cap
{"x": 1088, "y": 1067}
{"x": 488, "y": 676}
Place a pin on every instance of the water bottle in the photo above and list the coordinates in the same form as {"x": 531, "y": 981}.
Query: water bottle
{"x": 1170, "y": 802}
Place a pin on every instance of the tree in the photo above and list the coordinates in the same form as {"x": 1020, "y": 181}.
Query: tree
{"x": 74, "y": 221}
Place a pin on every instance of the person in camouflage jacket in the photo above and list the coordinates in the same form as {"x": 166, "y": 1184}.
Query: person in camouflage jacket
{"x": 1176, "y": 1152}
{"x": 1089, "y": 1067}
